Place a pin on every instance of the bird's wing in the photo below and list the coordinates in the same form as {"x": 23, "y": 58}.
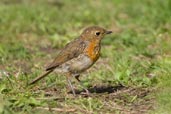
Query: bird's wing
{"x": 70, "y": 51}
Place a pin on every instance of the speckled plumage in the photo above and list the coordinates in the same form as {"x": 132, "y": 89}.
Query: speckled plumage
{"x": 78, "y": 55}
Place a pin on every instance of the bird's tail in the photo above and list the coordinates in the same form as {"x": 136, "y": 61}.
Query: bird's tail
{"x": 40, "y": 77}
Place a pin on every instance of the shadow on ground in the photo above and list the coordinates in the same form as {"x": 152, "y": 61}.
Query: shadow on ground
{"x": 101, "y": 89}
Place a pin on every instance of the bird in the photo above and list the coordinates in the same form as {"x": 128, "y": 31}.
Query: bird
{"x": 77, "y": 56}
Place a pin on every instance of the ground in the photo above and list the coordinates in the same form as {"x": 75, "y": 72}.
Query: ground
{"x": 131, "y": 77}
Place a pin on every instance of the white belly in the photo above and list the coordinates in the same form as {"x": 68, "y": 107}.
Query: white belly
{"x": 75, "y": 65}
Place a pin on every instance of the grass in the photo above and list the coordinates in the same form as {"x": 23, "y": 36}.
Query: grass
{"x": 136, "y": 56}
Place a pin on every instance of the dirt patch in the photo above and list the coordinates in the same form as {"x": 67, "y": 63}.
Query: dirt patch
{"x": 126, "y": 100}
{"x": 131, "y": 100}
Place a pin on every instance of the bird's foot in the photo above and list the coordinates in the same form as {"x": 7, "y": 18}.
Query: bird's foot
{"x": 85, "y": 93}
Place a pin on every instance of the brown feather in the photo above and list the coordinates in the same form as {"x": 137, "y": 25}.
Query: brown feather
{"x": 40, "y": 77}
{"x": 70, "y": 51}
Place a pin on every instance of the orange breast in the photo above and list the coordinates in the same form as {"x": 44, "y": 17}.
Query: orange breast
{"x": 93, "y": 50}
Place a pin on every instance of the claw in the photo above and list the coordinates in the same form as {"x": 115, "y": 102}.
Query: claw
{"x": 86, "y": 93}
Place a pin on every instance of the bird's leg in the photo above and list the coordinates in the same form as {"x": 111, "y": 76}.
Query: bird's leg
{"x": 77, "y": 78}
{"x": 81, "y": 84}
{"x": 70, "y": 85}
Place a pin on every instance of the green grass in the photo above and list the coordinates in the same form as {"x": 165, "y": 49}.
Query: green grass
{"x": 137, "y": 55}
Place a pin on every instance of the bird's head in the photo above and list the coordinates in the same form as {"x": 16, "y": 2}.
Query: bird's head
{"x": 94, "y": 33}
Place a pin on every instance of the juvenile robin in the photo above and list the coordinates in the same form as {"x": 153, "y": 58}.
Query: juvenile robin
{"x": 78, "y": 55}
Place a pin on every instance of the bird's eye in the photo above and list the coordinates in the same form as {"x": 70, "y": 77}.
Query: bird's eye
{"x": 97, "y": 33}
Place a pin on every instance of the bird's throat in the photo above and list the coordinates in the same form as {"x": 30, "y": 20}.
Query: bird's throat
{"x": 93, "y": 50}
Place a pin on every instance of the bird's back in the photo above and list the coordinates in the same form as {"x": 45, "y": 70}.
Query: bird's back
{"x": 70, "y": 51}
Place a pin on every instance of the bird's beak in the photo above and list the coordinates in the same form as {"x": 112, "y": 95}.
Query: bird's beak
{"x": 108, "y": 32}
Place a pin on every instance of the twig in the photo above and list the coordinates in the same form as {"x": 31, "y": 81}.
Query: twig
{"x": 57, "y": 109}
{"x": 55, "y": 98}
{"x": 51, "y": 98}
